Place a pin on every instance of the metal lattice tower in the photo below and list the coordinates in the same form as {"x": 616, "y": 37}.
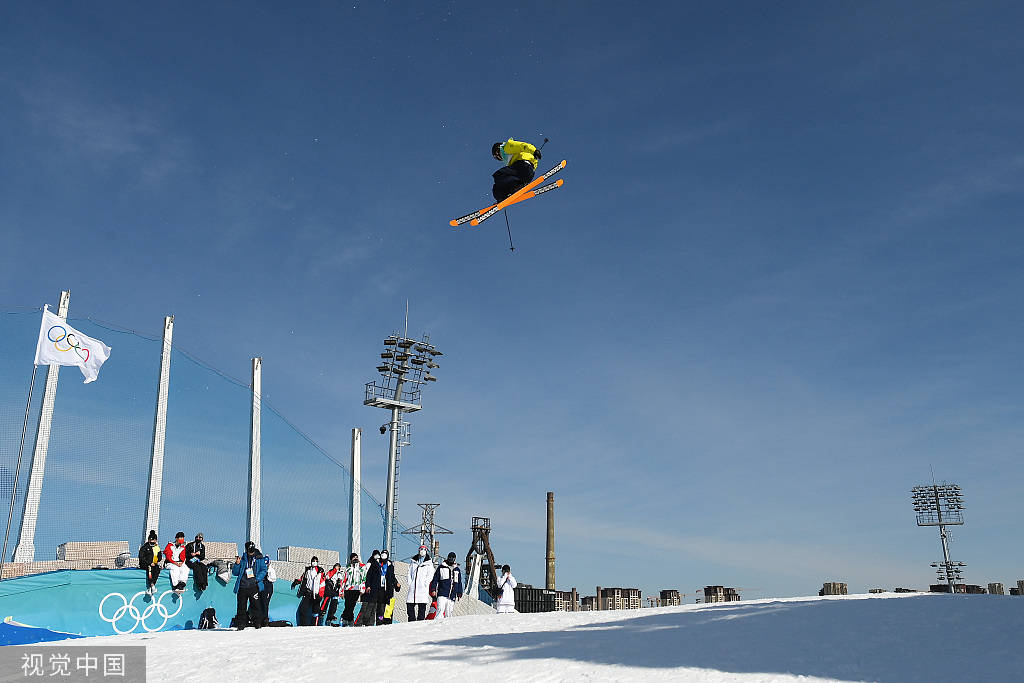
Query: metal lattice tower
{"x": 428, "y": 527}
{"x": 941, "y": 505}
{"x": 405, "y": 367}
{"x": 481, "y": 545}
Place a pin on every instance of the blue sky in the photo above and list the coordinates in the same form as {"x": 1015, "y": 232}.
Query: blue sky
{"x": 781, "y": 280}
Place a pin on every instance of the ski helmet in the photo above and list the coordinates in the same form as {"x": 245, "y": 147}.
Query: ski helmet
{"x": 496, "y": 151}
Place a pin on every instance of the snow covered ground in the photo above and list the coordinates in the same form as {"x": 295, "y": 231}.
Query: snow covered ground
{"x": 963, "y": 638}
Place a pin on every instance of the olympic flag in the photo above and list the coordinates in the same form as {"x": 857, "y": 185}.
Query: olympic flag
{"x": 61, "y": 344}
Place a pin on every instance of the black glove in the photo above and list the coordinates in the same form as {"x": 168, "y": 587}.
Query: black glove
{"x": 538, "y": 155}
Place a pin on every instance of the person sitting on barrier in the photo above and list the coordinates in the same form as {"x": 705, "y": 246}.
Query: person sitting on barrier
{"x": 174, "y": 555}
{"x": 311, "y": 585}
{"x": 149, "y": 559}
{"x": 251, "y": 571}
{"x": 195, "y": 556}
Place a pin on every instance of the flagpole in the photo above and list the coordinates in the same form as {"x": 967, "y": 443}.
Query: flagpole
{"x": 17, "y": 469}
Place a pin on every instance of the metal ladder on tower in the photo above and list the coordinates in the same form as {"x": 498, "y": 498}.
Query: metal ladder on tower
{"x": 404, "y": 429}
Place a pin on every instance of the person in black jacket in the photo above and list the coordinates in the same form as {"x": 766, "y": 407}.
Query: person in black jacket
{"x": 195, "y": 556}
{"x": 332, "y": 589}
{"x": 149, "y": 559}
{"x": 381, "y": 584}
{"x": 368, "y": 610}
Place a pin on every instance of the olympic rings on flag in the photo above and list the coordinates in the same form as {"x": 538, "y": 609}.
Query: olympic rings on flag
{"x": 130, "y": 610}
{"x": 70, "y": 339}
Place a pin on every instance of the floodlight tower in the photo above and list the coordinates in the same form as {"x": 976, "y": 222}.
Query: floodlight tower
{"x": 404, "y": 369}
{"x": 941, "y": 505}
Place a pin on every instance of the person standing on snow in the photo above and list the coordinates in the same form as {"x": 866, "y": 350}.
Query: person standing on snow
{"x": 382, "y": 584}
{"x": 368, "y": 611}
{"x": 421, "y": 572}
{"x": 177, "y": 570}
{"x": 446, "y": 586}
{"x": 195, "y": 556}
{"x": 332, "y": 590}
{"x": 507, "y": 596}
{"x": 312, "y": 585}
{"x": 149, "y": 559}
{"x": 352, "y": 586}
{"x": 520, "y": 159}
{"x": 268, "y": 591}
{"x": 250, "y": 570}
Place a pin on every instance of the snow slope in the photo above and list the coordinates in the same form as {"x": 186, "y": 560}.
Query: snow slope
{"x": 849, "y": 638}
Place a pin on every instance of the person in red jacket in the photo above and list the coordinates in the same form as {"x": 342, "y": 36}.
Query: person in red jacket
{"x": 174, "y": 554}
{"x": 332, "y": 590}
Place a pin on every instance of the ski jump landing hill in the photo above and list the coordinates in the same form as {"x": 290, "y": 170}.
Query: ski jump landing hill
{"x": 101, "y": 602}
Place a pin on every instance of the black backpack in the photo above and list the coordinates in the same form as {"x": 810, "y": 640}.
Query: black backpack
{"x": 208, "y": 619}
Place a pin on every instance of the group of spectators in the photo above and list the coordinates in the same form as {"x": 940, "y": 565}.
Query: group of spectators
{"x": 373, "y": 584}
{"x": 179, "y": 558}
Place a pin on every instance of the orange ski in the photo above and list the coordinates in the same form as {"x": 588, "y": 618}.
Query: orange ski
{"x": 514, "y": 198}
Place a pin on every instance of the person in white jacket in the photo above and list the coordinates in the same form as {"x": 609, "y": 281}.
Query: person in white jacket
{"x": 421, "y": 571}
{"x": 507, "y": 586}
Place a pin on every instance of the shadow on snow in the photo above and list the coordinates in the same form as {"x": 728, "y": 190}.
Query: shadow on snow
{"x": 927, "y": 638}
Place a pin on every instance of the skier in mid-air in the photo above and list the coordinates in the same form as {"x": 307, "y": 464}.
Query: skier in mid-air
{"x": 514, "y": 182}
{"x": 520, "y": 159}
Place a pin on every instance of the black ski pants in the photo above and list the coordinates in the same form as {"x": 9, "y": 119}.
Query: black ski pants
{"x": 368, "y": 613}
{"x": 265, "y": 595}
{"x": 351, "y": 598}
{"x": 417, "y": 611}
{"x": 508, "y": 179}
{"x": 152, "y": 574}
{"x": 309, "y": 611}
{"x": 249, "y": 611}
{"x": 332, "y": 609}
{"x": 200, "y": 575}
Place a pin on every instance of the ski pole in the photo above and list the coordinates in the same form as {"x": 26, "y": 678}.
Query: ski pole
{"x": 542, "y": 144}
{"x": 510, "y": 246}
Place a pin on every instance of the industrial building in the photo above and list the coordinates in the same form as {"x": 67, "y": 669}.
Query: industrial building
{"x": 969, "y": 588}
{"x": 670, "y": 597}
{"x": 996, "y": 589}
{"x": 530, "y": 599}
{"x": 720, "y": 594}
{"x": 618, "y": 598}
{"x": 567, "y": 601}
{"x": 833, "y": 588}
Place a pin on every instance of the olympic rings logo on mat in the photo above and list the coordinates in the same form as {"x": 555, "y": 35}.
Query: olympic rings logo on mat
{"x": 70, "y": 340}
{"x": 129, "y": 610}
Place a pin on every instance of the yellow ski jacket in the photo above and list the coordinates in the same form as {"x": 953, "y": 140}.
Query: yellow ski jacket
{"x": 513, "y": 151}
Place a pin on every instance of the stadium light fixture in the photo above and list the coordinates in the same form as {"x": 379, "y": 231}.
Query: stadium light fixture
{"x": 399, "y": 390}
{"x": 941, "y": 505}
